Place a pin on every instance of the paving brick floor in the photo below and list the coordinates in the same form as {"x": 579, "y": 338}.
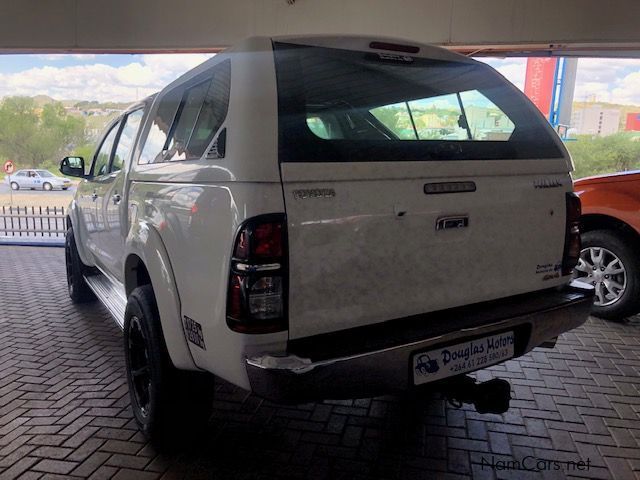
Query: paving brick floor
{"x": 64, "y": 408}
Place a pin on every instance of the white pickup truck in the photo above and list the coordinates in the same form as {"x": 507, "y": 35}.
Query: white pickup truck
{"x": 324, "y": 217}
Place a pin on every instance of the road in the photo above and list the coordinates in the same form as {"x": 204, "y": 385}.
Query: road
{"x": 35, "y": 198}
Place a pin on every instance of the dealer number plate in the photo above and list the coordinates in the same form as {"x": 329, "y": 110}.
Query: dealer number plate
{"x": 461, "y": 358}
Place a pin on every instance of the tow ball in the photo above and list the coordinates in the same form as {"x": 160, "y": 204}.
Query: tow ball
{"x": 492, "y": 396}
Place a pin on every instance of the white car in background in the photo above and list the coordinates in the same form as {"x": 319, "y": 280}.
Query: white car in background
{"x": 36, "y": 179}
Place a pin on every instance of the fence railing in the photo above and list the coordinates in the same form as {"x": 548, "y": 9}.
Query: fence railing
{"x": 32, "y": 223}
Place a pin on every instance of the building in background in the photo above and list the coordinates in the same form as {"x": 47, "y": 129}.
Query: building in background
{"x": 596, "y": 120}
{"x": 633, "y": 122}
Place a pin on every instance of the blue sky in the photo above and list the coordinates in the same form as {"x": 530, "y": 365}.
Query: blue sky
{"x": 130, "y": 77}
{"x": 121, "y": 78}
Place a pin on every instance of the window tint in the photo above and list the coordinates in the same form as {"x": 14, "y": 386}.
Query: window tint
{"x": 213, "y": 112}
{"x": 159, "y": 130}
{"x": 101, "y": 159}
{"x": 188, "y": 118}
{"x": 347, "y": 106}
{"x": 126, "y": 140}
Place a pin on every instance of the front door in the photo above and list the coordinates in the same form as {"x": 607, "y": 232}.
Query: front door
{"x": 92, "y": 190}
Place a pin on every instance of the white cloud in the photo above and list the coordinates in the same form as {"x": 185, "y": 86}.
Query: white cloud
{"x": 98, "y": 81}
{"x": 513, "y": 69}
{"x": 628, "y": 90}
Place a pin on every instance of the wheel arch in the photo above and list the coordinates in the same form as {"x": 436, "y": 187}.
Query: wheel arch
{"x": 135, "y": 273}
{"x": 147, "y": 263}
{"x": 73, "y": 221}
{"x": 596, "y": 221}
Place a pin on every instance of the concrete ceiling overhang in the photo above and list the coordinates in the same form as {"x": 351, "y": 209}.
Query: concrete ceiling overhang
{"x": 481, "y": 27}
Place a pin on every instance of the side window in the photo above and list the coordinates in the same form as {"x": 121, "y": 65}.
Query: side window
{"x": 21, "y": 174}
{"x": 397, "y": 118}
{"x": 486, "y": 121}
{"x": 187, "y": 119}
{"x": 213, "y": 112}
{"x": 159, "y": 130}
{"x": 317, "y": 126}
{"x": 101, "y": 159}
{"x": 324, "y": 125}
{"x": 126, "y": 140}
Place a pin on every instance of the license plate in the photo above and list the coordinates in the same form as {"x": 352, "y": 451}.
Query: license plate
{"x": 461, "y": 358}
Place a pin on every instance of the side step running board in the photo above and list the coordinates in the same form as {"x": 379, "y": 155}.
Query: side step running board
{"x": 112, "y": 295}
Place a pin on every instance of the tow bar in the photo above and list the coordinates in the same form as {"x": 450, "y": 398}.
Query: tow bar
{"x": 492, "y": 396}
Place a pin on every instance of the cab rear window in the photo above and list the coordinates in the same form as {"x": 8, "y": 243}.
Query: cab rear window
{"x": 350, "y": 106}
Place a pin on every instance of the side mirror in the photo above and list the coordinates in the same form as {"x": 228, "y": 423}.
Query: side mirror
{"x": 72, "y": 166}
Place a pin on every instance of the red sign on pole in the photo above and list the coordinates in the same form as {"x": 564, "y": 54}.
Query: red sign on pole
{"x": 8, "y": 167}
{"x": 538, "y": 83}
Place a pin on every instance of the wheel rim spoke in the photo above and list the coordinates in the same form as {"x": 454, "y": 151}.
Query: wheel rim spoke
{"x": 600, "y": 293}
{"x": 596, "y": 256}
{"x": 584, "y": 266}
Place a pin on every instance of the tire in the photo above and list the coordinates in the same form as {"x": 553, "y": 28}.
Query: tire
{"x": 79, "y": 291}
{"x": 65, "y": 188}
{"x": 47, "y": 186}
{"x": 170, "y": 406}
{"x": 610, "y": 260}
{"x": 15, "y": 186}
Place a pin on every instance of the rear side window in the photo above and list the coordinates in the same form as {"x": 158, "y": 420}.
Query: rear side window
{"x": 188, "y": 118}
{"x": 349, "y": 106}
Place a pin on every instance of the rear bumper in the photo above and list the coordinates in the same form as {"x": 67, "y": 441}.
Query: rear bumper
{"x": 298, "y": 377}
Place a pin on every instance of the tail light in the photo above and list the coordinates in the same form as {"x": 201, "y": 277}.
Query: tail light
{"x": 258, "y": 277}
{"x": 572, "y": 243}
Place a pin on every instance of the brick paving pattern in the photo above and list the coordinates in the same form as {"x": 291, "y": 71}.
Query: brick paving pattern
{"x": 64, "y": 408}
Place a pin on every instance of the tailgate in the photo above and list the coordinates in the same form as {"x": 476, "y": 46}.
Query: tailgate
{"x": 412, "y": 183}
{"x": 370, "y": 250}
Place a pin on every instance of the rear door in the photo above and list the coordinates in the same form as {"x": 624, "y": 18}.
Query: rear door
{"x": 111, "y": 209}
{"x": 411, "y": 185}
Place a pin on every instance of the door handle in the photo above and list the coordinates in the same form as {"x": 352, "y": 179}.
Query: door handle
{"x": 94, "y": 196}
{"x": 116, "y": 198}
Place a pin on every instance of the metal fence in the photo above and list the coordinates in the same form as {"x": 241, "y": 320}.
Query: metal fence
{"x": 32, "y": 223}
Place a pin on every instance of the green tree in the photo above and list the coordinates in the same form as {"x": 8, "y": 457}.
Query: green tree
{"x": 36, "y": 137}
{"x": 600, "y": 155}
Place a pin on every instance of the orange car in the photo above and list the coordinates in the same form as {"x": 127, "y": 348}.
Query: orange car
{"x": 610, "y": 257}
